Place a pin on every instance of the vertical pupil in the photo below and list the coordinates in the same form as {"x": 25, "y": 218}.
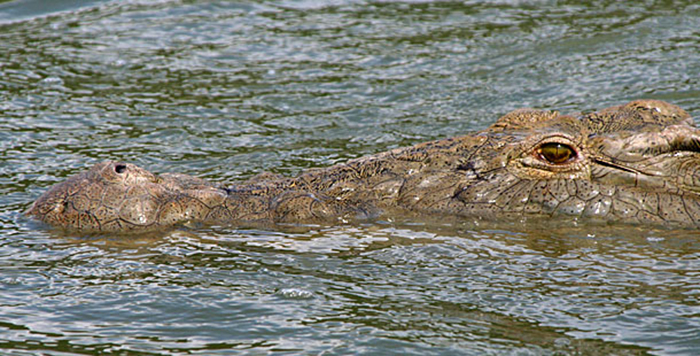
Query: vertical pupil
{"x": 556, "y": 152}
{"x": 559, "y": 152}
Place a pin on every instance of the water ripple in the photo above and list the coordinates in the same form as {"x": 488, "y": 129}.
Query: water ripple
{"x": 225, "y": 90}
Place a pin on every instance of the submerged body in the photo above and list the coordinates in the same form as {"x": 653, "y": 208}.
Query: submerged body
{"x": 638, "y": 163}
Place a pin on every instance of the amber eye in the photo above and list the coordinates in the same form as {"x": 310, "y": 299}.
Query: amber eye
{"x": 556, "y": 153}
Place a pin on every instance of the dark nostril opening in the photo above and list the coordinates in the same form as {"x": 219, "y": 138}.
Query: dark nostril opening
{"x": 120, "y": 168}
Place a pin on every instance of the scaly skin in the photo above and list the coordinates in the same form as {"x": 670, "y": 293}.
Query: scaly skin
{"x": 638, "y": 163}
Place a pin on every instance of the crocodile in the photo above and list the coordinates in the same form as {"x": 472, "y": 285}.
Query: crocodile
{"x": 633, "y": 163}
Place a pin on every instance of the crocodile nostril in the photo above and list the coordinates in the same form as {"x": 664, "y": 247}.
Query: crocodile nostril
{"x": 120, "y": 168}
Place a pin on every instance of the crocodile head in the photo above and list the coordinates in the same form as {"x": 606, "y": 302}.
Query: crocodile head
{"x": 638, "y": 162}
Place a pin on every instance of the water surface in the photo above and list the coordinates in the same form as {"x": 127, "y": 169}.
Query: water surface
{"x": 224, "y": 90}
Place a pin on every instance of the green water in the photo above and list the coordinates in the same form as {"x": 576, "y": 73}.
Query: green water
{"x": 224, "y": 90}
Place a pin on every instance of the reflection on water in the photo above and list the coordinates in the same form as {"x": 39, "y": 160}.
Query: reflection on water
{"x": 224, "y": 90}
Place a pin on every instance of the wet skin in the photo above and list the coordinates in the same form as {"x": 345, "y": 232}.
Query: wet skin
{"x": 635, "y": 163}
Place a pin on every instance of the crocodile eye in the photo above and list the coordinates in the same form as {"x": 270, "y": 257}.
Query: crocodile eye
{"x": 556, "y": 153}
{"x": 120, "y": 168}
